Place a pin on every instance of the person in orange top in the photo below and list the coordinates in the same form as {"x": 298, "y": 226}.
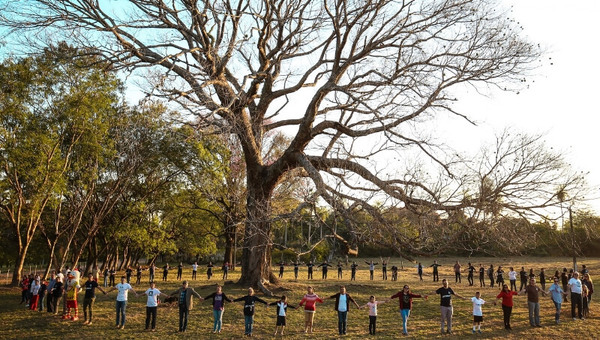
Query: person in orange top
{"x": 309, "y": 302}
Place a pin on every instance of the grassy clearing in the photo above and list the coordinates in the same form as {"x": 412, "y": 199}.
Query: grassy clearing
{"x": 16, "y": 322}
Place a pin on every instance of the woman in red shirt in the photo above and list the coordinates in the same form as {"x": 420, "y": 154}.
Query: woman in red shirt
{"x": 309, "y": 301}
{"x": 507, "y": 304}
{"x": 405, "y": 298}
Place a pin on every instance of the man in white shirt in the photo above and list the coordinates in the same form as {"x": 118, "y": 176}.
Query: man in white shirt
{"x": 122, "y": 289}
{"x": 194, "y": 270}
{"x": 575, "y": 289}
{"x": 151, "y": 305}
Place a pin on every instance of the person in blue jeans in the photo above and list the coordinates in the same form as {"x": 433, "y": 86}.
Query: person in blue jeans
{"x": 405, "y": 298}
{"x": 342, "y": 305}
{"x": 249, "y": 301}
{"x": 218, "y": 302}
{"x": 122, "y": 289}
{"x": 557, "y": 297}
{"x": 185, "y": 298}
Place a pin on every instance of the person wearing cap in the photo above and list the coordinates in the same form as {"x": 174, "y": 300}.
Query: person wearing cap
{"x": 89, "y": 297}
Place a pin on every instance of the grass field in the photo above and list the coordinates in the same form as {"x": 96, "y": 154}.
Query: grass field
{"x": 18, "y": 323}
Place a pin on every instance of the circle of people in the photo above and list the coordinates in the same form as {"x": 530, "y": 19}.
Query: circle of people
{"x": 578, "y": 284}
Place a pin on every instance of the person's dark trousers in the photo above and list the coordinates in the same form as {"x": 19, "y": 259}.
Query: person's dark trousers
{"x": 372, "y": 324}
{"x": 342, "y": 319}
{"x": 523, "y": 283}
{"x": 491, "y": 281}
{"x": 543, "y": 283}
{"x": 507, "y": 311}
{"x": 183, "y": 317}
{"x": 88, "y": 303}
{"x": 576, "y": 301}
{"x": 112, "y": 281}
{"x": 151, "y": 315}
{"x": 371, "y": 274}
{"x": 436, "y": 276}
{"x": 470, "y": 279}
{"x": 128, "y": 278}
{"x": 481, "y": 281}
{"x": 513, "y": 285}
{"x": 324, "y": 275}
{"x": 194, "y": 275}
{"x": 457, "y": 277}
{"x": 121, "y": 310}
{"x": 55, "y": 303}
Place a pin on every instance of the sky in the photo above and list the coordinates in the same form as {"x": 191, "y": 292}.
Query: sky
{"x": 561, "y": 99}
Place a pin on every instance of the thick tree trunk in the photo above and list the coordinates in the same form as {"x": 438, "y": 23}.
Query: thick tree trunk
{"x": 18, "y": 271}
{"x": 256, "y": 259}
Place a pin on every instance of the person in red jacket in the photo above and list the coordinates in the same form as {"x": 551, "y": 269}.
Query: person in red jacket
{"x": 309, "y": 302}
{"x": 507, "y": 304}
{"x": 405, "y": 298}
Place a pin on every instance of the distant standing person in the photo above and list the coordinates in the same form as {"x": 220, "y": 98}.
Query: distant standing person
{"x": 249, "y": 301}
{"x": 507, "y": 304}
{"x": 384, "y": 264}
{"x": 574, "y": 285}
{"x": 557, "y": 294}
{"x": 446, "y": 309}
{"x": 152, "y": 295}
{"x": 111, "y": 274}
{"x": 543, "y": 279}
{"x": 340, "y": 273}
{"x": 457, "y": 278}
{"x": 342, "y": 306}
{"x": 185, "y": 298}
{"x": 138, "y": 275}
{"x": 405, "y": 298}
{"x": 218, "y": 304}
{"x": 533, "y": 302}
{"x": 395, "y": 273}
{"x": 209, "y": 268}
{"x": 371, "y": 269}
{"x": 587, "y": 281}
{"x": 166, "y": 272}
{"x": 128, "y": 273}
{"x": 471, "y": 273}
{"x": 309, "y": 302}
{"x": 225, "y": 270}
{"x": 353, "y": 267}
{"x": 565, "y": 281}
{"x": 523, "y": 278}
{"x": 281, "y": 269}
{"x": 310, "y": 266}
{"x": 436, "y": 276}
{"x": 512, "y": 277}
{"x": 194, "y": 270}
{"x": 481, "y": 276}
{"x": 57, "y": 293}
{"x": 151, "y": 272}
{"x": 324, "y": 266}
{"x": 179, "y": 270}
{"x": 296, "y": 269}
{"x": 500, "y": 276}
{"x": 491, "y": 275}
{"x": 420, "y": 271}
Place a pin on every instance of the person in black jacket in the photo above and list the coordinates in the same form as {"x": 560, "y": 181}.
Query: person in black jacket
{"x": 324, "y": 266}
{"x": 342, "y": 305}
{"x": 249, "y": 301}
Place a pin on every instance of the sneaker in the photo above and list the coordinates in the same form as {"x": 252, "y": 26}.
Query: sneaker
{"x": 574, "y": 319}
{"x": 89, "y": 323}
{"x": 473, "y": 331}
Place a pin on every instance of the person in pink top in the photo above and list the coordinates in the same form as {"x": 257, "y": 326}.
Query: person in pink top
{"x": 405, "y": 297}
{"x": 372, "y": 305}
{"x": 309, "y": 302}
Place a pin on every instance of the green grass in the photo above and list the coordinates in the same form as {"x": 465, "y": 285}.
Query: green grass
{"x": 18, "y": 323}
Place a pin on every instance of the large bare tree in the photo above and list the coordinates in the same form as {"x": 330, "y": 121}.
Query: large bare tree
{"x": 350, "y": 81}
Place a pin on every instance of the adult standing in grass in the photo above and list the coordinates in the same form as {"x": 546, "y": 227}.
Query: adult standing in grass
{"x": 342, "y": 306}
{"x": 249, "y": 301}
{"x": 121, "y": 305}
{"x": 309, "y": 302}
{"x": 49, "y": 288}
{"x": 152, "y": 295}
{"x": 179, "y": 270}
{"x": 166, "y": 272}
{"x": 324, "y": 266}
{"x": 384, "y": 264}
{"x": 152, "y": 272}
{"x": 225, "y": 270}
{"x": 533, "y": 302}
{"x": 523, "y": 278}
{"x": 507, "y": 304}
{"x": 574, "y": 285}
{"x": 543, "y": 278}
{"x": 353, "y": 267}
{"x": 218, "y": 303}
{"x": 194, "y": 270}
{"x": 557, "y": 293}
{"x": 512, "y": 277}
{"x": 281, "y": 269}
{"x": 371, "y": 268}
{"x": 435, "y": 265}
{"x": 138, "y": 275}
{"x": 185, "y": 301}
{"x": 89, "y": 298}
{"x": 457, "y": 278}
{"x": 128, "y": 273}
{"x": 500, "y": 276}
{"x": 446, "y": 309}
{"x": 395, "y": 273}
{"x": 419, "y": 271}
{"x": 340, "y": 272}
{"x": 105, "y": 276}
{"x": 57, "y": 293}
{"x": 471, "y": 273}
{"x": 309, "y": 267}
{"x": 587, "y": 281}
{"x": 209, "y": 268}
{"x": 490, "y": 273}
{"x": 405, "y": 299}
{"x": 296, "y": 265}
{"x": 111, "y": 275}
{"x": 481, "y": 276}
